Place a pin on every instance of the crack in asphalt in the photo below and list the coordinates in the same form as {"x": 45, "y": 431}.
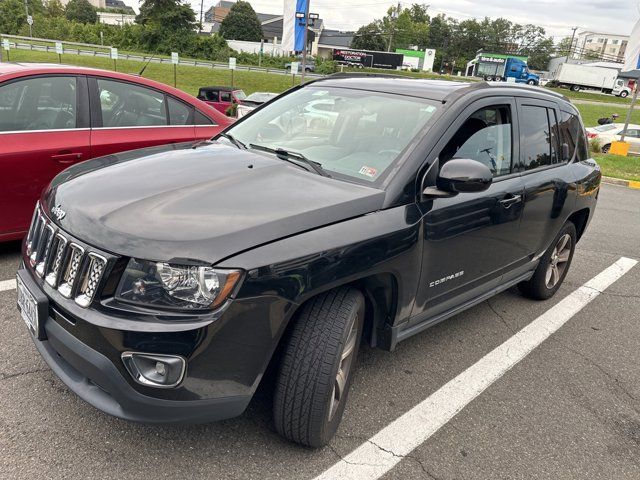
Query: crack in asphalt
{"x": 6, "y": 376}
{"x": 390, "y": 452}
{"x": 606, "y": 373}
{"x": 502, "y": 319}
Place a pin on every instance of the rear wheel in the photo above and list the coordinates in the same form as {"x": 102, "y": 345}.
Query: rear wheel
{"x": 315, "y": 373}
{"x": 553, "y": 266}
{"x": 531, "y": 82}
{"x": 606, "y": 148}
{"x": 575, "y": 88}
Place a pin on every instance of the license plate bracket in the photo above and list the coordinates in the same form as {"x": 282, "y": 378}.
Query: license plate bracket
{"x": 33, "y": 304}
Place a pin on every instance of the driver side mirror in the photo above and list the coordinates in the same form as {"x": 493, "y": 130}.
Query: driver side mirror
{"x": 460, "y": 176}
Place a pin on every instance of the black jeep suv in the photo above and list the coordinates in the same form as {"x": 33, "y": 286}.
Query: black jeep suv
{"x": 159, "y": 285}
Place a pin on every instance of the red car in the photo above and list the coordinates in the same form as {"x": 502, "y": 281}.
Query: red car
{"x": 52, "y": 116}
{"x": 221, "y": 98}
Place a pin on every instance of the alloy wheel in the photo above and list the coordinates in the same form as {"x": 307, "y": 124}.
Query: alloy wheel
{"x": 558, "y": 261}
{"x": 346, "y": 360}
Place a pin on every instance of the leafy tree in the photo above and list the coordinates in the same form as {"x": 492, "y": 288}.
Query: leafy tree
{"x": 81, "y": 11}
{"x": 370, "y": 37}
{"x": 241, "y": 23}
{"x": 168, "y": 15}
{"x": 54, "y": 8}
{"x": 12, "y": 16}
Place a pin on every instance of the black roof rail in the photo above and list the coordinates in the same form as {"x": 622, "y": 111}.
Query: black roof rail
{"x": 363, "y": 75}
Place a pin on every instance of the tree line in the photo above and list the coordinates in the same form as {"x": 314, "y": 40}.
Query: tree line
{"x": 455, "y": 41}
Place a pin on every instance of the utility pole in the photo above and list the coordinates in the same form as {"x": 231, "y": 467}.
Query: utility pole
{"x": 395, "y": 16}
{"x": 201, "y": 11}
{"x": 26, "y": 10}
{"x": 305, "y": 37}
{"x": 571, "y": 44}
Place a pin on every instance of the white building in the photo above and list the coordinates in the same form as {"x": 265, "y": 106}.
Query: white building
{"x": 605, "y": 46}
{"x": 110, "y": 18}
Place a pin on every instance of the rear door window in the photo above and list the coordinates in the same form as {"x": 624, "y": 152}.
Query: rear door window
{"x": 179, "y": 113}
{"x": 39, "y": 103}
{"x": 535, "y": 143}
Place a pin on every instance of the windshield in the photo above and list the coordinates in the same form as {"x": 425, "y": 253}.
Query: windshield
{"x": 350, "y": 132}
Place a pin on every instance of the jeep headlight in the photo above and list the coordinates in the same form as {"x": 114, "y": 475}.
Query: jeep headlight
{"x": 176, "y": 286}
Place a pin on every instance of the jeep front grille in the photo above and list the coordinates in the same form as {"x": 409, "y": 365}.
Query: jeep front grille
{"x": 75, "y": 271}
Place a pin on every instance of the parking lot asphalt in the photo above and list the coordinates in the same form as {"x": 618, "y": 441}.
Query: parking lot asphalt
{"x": 570, "y": 409}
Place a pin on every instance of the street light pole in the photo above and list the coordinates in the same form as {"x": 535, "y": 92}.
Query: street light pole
{"x": 26, "y": 10}
{"x": 571, "y": 44}
{"x": 304, "y": 49}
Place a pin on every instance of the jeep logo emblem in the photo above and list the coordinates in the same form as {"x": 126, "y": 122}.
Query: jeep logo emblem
{"x": 58, "y": 212}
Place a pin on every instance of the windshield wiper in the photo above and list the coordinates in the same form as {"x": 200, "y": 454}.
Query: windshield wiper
{"x": 291, "y": 157}
{"x": 234, "y": 140}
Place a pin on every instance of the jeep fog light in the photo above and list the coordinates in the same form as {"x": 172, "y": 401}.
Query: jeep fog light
{"x": 155, "y": 370}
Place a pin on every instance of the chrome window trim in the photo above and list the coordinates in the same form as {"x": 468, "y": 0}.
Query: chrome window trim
{"x": 137, "y": 127}
{"x": 51, "y": 130}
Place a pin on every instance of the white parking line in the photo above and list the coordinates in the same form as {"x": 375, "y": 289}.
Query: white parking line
{"x": 384, "y": 450}
{"x": 7, "y": 285}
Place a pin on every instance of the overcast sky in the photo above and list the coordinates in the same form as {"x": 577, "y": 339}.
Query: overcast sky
{"x": 556, "y": 16}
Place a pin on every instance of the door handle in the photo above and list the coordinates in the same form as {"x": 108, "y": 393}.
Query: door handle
{"x": 66, "y": 157}
{"x": 510, "y": 200}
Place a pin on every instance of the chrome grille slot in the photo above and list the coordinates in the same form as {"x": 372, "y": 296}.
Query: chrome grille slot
{"x": 35, "y": 240}
{"x": 42, "y": 257}
{"x": 58, "y": 250}
{"x": 70, "y": 269}
{"x": 90, "y": 279}
{"x": 32, "y": 228}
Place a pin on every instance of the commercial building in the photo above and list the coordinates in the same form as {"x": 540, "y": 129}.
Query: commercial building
{"x": 604, "y": 46}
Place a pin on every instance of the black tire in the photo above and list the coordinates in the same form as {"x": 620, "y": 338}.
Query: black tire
{"x": 624, "y": 94}
{"x": 303, "y": 410}
{"x": 531, "y": 82}
{"x": 575, "y": 88}
{"x": 307, "y": 70}
{"x": 538, "y": 287}
{"x": 606, "y": 148}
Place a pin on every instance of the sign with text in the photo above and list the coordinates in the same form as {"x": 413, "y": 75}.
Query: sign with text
{"x": 232, "y": 63}
{"x": 59, "y": 48}
{"x": 5, "y": 44}
{"x": 295, "y": 66}
{"x": 114, "y": 53}
{"x": 175, "y": 58}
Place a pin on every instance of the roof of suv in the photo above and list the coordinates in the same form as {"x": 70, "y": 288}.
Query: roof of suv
{"x": 423, "y": 88}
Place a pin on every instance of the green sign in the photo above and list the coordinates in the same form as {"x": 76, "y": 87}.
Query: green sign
{"x": 411, "y": 53}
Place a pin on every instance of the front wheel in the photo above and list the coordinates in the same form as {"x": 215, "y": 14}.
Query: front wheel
{"x": 531, "y": 82}
{"x": 553, "y": 267}
{"x": 316, "y": 370}
{"x": 624, "y": 94}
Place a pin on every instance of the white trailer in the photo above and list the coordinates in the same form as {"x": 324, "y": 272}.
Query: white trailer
{"x": 577, "y": 77}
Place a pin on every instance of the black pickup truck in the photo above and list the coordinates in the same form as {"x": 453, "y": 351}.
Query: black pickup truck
{"x": 160, "y": 285}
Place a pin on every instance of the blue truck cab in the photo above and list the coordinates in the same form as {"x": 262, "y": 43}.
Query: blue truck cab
{"x": 502, "y": 68}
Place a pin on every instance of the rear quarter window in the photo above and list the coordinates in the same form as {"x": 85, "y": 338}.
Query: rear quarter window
{"x": 574, "y": 135}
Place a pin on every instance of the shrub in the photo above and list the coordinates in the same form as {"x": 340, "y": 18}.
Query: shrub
{"x": 595, "y": 146}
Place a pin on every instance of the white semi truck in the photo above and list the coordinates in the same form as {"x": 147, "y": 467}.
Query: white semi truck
{"x": 577, "y": 77}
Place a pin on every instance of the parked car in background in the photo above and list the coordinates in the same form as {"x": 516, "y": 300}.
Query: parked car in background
{"x": 162, "y": 294}
{"x": 253, "y": 101}
{"x": 53, "y": 116}
{"x": 611, "y": 132}
{"x": 221, "y": 98}
{"x": 310, "y": 65}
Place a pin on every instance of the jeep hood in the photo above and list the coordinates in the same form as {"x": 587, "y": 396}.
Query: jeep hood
{"x": 203, "y": 202}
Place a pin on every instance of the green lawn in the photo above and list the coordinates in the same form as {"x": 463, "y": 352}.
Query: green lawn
{"x": 627, "y": 168}
{"x": 189, "y": 79}
{"x": 591, "y": 113}
{"x": 591, "y": 96}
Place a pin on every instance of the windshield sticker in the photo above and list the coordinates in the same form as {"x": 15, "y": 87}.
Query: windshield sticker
{"x": 368, "y": 171}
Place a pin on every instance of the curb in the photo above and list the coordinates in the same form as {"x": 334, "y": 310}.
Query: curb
{"x": 622, "y": 183}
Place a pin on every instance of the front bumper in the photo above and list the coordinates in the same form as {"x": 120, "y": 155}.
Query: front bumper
{"x": 95, "y": 379}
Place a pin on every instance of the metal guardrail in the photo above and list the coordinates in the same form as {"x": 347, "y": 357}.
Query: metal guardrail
{"x": 74, "y": 48}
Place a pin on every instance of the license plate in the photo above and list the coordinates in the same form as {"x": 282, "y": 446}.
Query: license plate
{"x": 28, "y": 306}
